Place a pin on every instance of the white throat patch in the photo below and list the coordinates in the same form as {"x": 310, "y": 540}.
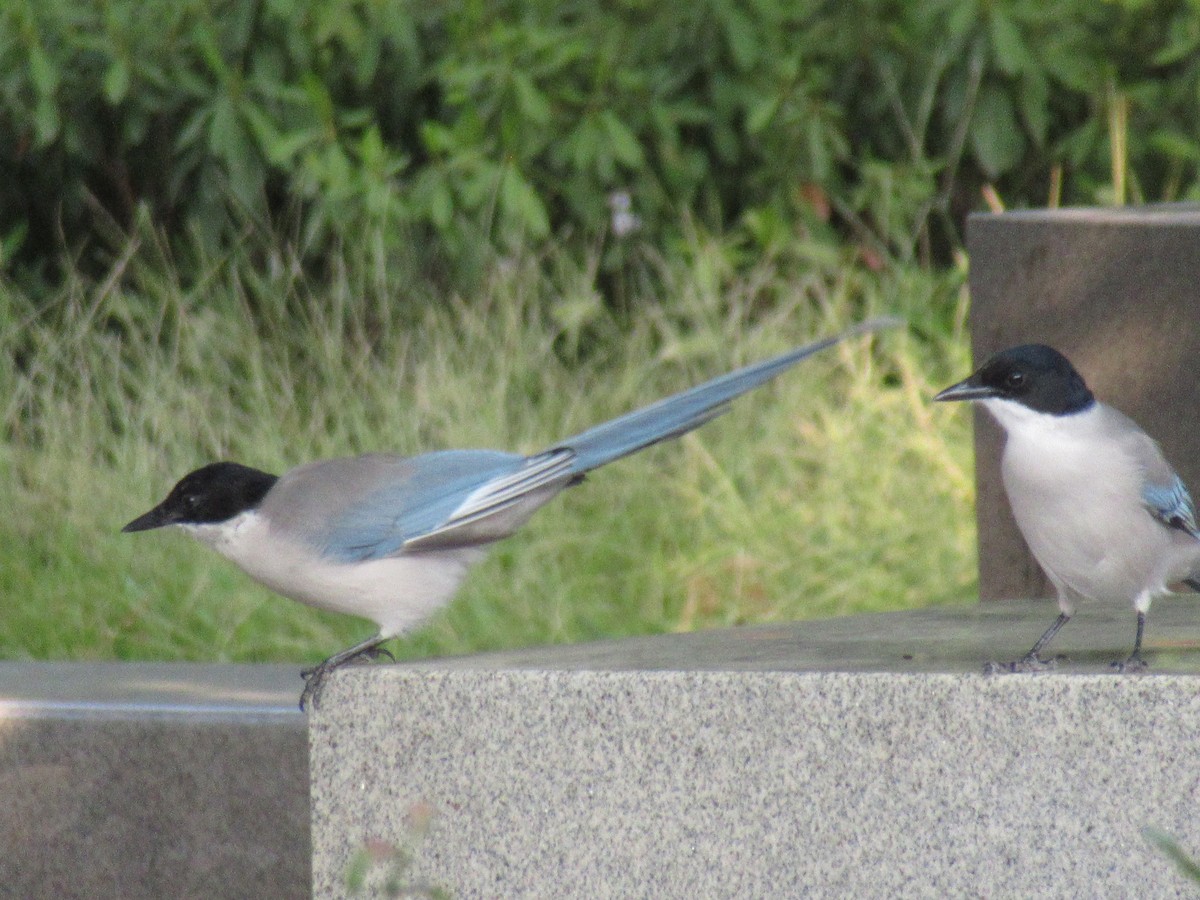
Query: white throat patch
{"x": 1014, "y": 416}
{"x": 221, "y": 535}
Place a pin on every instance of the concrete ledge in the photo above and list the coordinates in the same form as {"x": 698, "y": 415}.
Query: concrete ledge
{"x": 745, "y": 764}
{"x": 152, "y": 780}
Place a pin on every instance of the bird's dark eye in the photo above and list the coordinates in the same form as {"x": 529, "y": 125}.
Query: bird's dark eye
{"x": 1015, "y": 379}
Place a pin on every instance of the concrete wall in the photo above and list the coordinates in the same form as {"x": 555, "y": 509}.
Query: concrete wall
{"x": 152, "y": 780}
{"x": 742, "y": 764}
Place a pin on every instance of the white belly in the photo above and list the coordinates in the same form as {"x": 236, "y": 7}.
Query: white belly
{"x": 1093, "y": 537}
{"x": 397, "y": 593}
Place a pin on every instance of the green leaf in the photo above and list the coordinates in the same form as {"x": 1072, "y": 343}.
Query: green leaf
{"x": 42, "y": 72}
{"x": 476, "y": 180}
{"x": 1171, "y": 849}
{"x": 11, "y": 242}
{"x": 223, "y": 127}
{"x": 1034, "y": 100}
{"x": 531, "y": 102}
{"x": 522, "y": 204}
{"x": 231, "y": 143}
{"x": 1182, "y": 41}
{"x": 356, "y": 870}
{"x": 437, "y": 138}
{"x": 761, "y": 113}
{"x": 279, "y": 149}
{"x": 958, "y": 24}
{"x": 441, "y": 203}
{"x": 46, "y": 122}
{"x": 1175, "y": 146}
{"x": 996, "y": 136}
{"x": 1009, "y": 48}
{"x": 742, "y": 38}
{"x": 624, "y": 144}
{"x": 583, "y": 142}
{"x": 194, "y": 126}
{"x": 116, "y": 82}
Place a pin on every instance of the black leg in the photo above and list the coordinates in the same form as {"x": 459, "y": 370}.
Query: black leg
{"x": 314, "y": 677}
{"x": 1134, "y": 663}
{"x": 1047, "y": 637}
{"x": 1031, "y": 661}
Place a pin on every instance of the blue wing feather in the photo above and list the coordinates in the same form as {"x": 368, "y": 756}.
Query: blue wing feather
{"x": 380, "y": 523}
{"x": 1172, "y": 505}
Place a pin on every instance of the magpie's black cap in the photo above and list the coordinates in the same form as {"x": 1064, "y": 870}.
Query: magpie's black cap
{"x": 1034, "y": 375}
{"x": 215, "y": 493}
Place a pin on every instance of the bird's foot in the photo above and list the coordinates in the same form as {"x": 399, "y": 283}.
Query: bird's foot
{"x": 314, "y": 683}
{"x": 370, "y": 654}
{"x": 1027, "y": 663}
{"x": 314, "y": 678}
{"x": 1134, "y": 665}
{"x": 374, "y": 653}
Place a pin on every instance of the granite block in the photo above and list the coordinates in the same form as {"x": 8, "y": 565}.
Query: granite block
{"x": 152, "y": 780}
{"x": 864, "y": 757}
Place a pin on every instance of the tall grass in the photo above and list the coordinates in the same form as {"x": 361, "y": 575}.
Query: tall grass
{"x": 837, "y": 489}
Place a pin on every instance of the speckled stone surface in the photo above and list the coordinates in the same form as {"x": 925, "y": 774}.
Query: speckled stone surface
{"x": 152, "y": 780}
{"x": 810, "y": 760}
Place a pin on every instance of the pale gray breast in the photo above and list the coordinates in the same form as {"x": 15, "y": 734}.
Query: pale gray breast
{"x": 1142, "y": 450}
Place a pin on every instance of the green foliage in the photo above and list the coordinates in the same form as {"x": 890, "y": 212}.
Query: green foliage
{"x": 380, "y": 868}
{"x": 1169, "y": 847}
{"x": 475, "y": 125}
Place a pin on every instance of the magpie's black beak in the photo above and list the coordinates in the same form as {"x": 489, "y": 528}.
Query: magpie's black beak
{"x": 968, "y": 389}
{"x": 155, "y": 518}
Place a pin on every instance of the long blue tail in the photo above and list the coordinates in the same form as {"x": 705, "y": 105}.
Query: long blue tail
{"x": 680, "y": 413}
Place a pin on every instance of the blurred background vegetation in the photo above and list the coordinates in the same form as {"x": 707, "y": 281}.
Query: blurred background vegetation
{"x": 472, "y": 125}
{"x": 274, "y": 231}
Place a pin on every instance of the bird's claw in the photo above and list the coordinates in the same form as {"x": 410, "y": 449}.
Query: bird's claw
{"x": 375, "y": 652}
{"x": 314, "y": 678}
{"x": 313, "y": 685}
{"x": 1134, "y": 665}
{"x": 1027, "y": 663}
